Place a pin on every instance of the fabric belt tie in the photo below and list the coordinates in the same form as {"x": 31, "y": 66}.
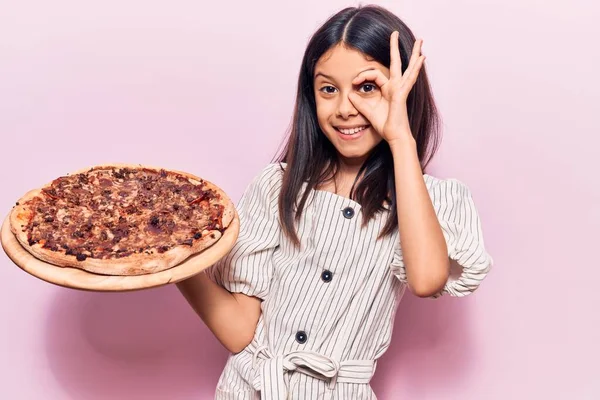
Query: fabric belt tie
{"x": 273, "y": 380}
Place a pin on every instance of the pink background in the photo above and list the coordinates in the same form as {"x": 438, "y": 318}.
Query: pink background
{"x": 145, "y": 82}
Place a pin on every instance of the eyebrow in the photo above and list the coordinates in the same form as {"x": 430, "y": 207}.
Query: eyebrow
{"x": 324, "y": 76}
{"x": 331, "y": 78}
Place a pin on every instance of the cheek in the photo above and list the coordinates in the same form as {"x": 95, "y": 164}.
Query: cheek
{"x": 324, "y": 111}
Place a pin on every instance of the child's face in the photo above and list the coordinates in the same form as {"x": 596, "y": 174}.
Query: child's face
{"x": 334, "y": 73}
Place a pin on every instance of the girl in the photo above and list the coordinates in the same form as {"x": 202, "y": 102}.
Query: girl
{"x": 333, "y": 233}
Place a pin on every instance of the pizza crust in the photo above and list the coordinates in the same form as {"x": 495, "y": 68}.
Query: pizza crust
{"x": 21, "y": 214}
{"x": 133, "y": 264}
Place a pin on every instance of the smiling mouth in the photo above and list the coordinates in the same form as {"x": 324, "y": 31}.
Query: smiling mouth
{"x": 351, "y": 131}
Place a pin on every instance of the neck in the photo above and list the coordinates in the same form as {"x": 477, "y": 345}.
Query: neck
{"x": 346, "y": 175}
{"x": 351, "y": 166}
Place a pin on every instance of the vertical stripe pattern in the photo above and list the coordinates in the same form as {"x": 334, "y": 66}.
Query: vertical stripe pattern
{"x": 328, "y": 308}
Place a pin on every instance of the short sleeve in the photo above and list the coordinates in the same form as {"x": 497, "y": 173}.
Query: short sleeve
{"x": 248, "y": 267}
{"x": 461, "y": 226}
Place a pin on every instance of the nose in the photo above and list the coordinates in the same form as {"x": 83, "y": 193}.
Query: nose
{"x": 345, "y": 108}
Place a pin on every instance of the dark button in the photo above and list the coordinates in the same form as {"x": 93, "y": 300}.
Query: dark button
{"x": 348, "y": 212}
{"x": 301, "y": 337}
{"x": 326, "y": 276}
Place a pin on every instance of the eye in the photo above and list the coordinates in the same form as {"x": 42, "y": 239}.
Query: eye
{"x": 369, "y": 87}
{"x": 327, "y": 89}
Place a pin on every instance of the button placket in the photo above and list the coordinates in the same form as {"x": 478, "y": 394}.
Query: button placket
{"x": 349, "y": 211}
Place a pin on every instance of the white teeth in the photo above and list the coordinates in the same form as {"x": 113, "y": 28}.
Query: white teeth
{"x": 352, "y": 131}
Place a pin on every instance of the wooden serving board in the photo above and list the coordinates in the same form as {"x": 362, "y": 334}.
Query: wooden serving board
{"x": 79, "y": 279}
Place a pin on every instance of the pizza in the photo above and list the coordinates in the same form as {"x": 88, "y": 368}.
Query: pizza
{"x": 121, "y": 219}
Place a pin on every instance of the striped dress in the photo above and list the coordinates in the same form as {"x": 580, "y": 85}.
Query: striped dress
{"x": 328, "y": 308}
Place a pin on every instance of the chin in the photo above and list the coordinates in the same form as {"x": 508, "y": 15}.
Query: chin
{"x": 357, "y": 150}
{"x": 354, "y": 155}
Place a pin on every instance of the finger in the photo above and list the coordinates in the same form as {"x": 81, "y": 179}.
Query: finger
{"x": 416, "y": 53}
{"x": 408, "y": 81}
{"x": 372, "y": 75}
{"x": 361, "y": 105}
{"x": 395, "y": 59}
{"x": 414, "y": 73}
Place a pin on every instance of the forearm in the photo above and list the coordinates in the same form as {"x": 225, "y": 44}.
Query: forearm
{"x": 423, "y": 244}
{"x": 231, "y": 317}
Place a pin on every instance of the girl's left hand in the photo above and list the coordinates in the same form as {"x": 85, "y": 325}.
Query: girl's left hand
{"x": 388, "y": 115}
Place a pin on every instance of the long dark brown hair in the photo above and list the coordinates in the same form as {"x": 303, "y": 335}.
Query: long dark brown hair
{"x": 311, "y": 158}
